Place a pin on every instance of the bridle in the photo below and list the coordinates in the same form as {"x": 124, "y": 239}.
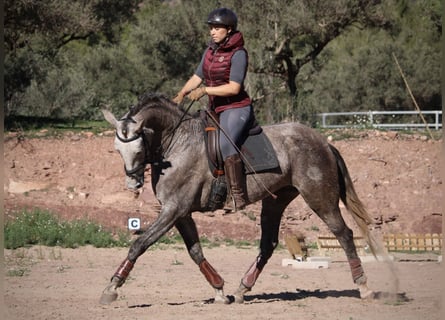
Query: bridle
{"x": 141, "y": 135}
{"x": 132, "y": 173}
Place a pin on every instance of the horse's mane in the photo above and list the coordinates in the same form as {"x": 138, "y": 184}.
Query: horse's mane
{"x": 154, "y": 99}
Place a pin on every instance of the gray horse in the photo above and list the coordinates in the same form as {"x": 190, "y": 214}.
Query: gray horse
{"x": 157, "y": 132}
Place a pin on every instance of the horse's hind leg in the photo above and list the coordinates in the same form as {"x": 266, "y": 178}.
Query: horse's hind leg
{"x": 271, "y": 213}
{"x": 187, "y": 228}
{"x": 334, "y": 220}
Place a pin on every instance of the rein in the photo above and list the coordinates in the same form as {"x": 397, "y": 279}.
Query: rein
{"x": 172, "y": 131}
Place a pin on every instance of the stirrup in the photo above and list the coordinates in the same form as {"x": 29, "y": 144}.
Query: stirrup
{"x": 230, "y": 206}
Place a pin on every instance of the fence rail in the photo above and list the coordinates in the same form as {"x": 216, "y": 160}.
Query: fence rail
{"x": 329, "y": 242}
{"x": 392, "y": 242}
{"x": 413, "y": 242}
{"x": 379, "y": 119}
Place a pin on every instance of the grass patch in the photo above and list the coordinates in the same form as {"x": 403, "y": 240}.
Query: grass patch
{"x": 17, "y": 272}
{"x": 174, "y": 239}
{"x": 29, "y": 126}
{"x": 43, "y": 228}
{"x": 40, "y": 227}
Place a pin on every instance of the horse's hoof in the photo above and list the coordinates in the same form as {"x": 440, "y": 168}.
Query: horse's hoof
{"x": 220, "y": 298}
{"x": 108, "y": 297}
{"x": 367, "y": 295}
{"x": 239, "y": 298}
{"x": 239, "y": 294}
{"x": 365, "y": 292}
{"x": 109, "y": 294}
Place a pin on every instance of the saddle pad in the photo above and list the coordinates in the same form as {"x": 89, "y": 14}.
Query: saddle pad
{"x": 259, "y": 153}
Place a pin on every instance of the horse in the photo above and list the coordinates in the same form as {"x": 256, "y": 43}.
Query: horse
{"x": 158, "y": 132}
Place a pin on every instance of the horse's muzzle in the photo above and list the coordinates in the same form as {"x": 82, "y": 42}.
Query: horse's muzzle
{"x": 134, "y": 182}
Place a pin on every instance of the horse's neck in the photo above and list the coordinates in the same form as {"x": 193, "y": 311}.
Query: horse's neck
{"x": 157, "y": 119}
{"x": 174, "y": 131}
{"x": 188, "y": 133}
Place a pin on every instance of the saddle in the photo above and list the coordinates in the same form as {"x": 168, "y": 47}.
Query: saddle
{"x": 257, "y": 154}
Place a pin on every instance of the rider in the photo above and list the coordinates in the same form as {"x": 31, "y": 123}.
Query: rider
{"x": 223, "y": 69}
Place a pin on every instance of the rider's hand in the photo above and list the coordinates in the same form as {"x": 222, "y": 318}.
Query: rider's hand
{"x": 197, "y": 93}
{"x": 179, "y": 97}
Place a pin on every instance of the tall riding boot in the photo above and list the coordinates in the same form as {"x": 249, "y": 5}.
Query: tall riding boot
{"x": 233, "y": 167}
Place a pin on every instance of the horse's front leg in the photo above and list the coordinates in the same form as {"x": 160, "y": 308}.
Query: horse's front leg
{"x": 187, "y": 228}
{"x": 272, "y": 210}
{"x": 157, "y": 229}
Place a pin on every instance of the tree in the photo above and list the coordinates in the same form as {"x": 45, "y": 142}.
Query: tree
{"x": 35, "y": 31}
{"x": 305, "y": 56}
{"x": 359, "y": 72}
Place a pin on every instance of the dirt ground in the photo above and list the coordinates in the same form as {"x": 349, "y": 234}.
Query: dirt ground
{"x": 80, "y": 176}
{"x": 165, "y": 284}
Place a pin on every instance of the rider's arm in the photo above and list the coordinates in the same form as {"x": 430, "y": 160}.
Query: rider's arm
{"x": 191, "y": 84}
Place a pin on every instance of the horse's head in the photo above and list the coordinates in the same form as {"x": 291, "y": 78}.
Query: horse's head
{"x": 131, "y": 142}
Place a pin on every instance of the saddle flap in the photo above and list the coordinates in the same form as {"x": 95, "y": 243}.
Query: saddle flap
{"x": 258, "y": 154}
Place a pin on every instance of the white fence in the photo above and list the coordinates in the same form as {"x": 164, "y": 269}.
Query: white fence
{"x": 382, "y": 119}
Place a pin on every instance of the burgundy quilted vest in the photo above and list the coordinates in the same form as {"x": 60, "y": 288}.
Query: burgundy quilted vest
{"x": 216, "y": 69}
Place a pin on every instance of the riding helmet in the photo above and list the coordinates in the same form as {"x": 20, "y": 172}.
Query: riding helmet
{"x": 224, "y": 17}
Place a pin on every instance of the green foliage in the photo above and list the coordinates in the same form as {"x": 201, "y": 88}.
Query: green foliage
{"x": 68, "y": 59}
{"x": 42, "y": 227}
{"x": 360, "y": 73}
{"x": 38, "y": 80}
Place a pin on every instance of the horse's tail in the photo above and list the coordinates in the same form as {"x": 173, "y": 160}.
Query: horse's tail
{"x": 352, "y": 202}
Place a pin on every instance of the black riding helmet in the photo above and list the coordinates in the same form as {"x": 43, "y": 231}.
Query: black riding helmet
{"x": 224, "y": 17}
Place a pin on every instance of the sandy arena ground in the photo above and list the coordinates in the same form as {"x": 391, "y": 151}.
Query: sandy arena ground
{"x": 80, "y": 176}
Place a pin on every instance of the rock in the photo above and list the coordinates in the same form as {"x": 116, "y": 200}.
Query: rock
{"x": 22, "y": 187}
{"x": 75, "y": 137}
{"x": 392, "y": 135}
{"x": 83, "y": 195}
{"x": 117, "y": 197}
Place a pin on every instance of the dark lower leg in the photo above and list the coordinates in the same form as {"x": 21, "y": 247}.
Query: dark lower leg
{"x": 253, "y": 273}
{"x": 211, "y": 275}
{"x": 270, "y": 224}
{"x": 346, "y": 239}
{"x": 358, "y": 274}
{"x": 187, "y": 228}
{"x": 164, "y": 223}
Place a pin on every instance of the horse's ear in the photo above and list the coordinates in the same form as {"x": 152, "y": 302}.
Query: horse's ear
{"x": 148, "y": 131}
{"x": 110, "y": 117}
{"x": 139, "y": 126}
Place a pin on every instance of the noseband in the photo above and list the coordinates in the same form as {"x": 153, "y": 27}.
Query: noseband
{"x": 131, "y": 173}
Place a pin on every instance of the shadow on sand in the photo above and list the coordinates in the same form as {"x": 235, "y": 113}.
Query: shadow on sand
{"x": 387, "y": 297}
{"x": 323, "y": 294}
